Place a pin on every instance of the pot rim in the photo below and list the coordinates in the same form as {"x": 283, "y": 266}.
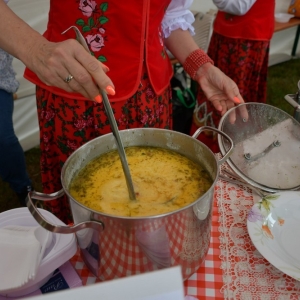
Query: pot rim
{"x": 65, "y": 166}
{"x": 145, "y": 217}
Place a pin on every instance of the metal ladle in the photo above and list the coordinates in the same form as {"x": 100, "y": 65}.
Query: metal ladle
{"x": 122, "y": 154}
{"x": 112, "y": 122}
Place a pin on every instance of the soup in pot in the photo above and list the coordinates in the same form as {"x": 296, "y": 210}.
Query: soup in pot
{"x": 163, "y": 180}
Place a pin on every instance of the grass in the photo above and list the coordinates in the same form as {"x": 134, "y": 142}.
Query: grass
{"x": 282, "y": 80}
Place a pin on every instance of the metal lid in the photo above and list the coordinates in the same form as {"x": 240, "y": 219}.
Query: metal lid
{"x": 266, "y": 150}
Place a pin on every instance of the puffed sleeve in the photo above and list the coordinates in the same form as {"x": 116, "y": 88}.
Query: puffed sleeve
{"x": 178, "y": 16}
{"x": 235, "y": 7}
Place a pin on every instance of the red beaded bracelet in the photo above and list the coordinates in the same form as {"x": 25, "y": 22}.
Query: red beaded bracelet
{"x": 194, "y": 61}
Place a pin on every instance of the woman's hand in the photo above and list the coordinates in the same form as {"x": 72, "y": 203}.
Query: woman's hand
{"x": 218, "y": 88}
{"x": 69, "y": 66}
{"x": 53, "y": 62}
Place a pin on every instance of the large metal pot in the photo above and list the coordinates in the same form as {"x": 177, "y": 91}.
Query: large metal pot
{"x": 114, "y": 246}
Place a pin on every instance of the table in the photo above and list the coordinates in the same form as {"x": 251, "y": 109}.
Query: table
{"x": 206, "y": 282}
{"x": 233, "y": 268}
{"x": 292, "y": 22}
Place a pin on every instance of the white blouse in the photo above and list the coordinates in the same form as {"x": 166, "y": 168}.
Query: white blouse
{"x": 235, "y": 7}
{"x": 178, "y": 16}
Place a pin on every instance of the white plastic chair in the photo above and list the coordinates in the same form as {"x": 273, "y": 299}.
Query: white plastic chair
{"x": 203, "y": 29}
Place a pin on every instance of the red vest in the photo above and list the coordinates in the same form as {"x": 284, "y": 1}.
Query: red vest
{"x": 122, "y": 46}
{"x": 256, "y": 24}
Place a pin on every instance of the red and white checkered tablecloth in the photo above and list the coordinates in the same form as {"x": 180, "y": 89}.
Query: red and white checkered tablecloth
{"x": 204, "y": 284}
{"x": 207, "y": 282}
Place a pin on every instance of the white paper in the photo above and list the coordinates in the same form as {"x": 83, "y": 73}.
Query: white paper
{"x": 166, "y": 284}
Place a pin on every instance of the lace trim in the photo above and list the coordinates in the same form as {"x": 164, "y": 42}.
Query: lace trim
{"x": 246, "y": 274}
{"x": 170, "y": 25}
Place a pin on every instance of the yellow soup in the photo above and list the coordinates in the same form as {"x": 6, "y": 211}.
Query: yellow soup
{"x": 163, "y": 181}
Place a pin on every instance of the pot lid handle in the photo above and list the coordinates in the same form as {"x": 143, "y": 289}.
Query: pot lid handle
{"x": 97, "y": 225}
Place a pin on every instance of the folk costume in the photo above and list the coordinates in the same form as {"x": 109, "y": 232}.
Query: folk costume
{"x": 127, "y": 36}
{"x": 239, "y": 46}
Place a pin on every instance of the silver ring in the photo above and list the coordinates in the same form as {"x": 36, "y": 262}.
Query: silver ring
{"x": 68, "y": 78}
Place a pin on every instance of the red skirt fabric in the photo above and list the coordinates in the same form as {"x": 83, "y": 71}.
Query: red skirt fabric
{"x": 67, "y": 124}
{"x": 246, "y": 63}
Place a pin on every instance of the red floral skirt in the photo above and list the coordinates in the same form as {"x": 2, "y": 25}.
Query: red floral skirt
{"x": 66, "y": 124}
{"x": 246, "y": 63}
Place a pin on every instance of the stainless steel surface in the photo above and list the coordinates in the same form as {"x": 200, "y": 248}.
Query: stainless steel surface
{"x": 143, "y": 244}
{"x": 251, "y": 158}
{"x": 120, "y": 147}
{"x": 294, "y": 100}
{"x": 232, "y": 175}
{"x": 236, "y": 178}
{"x": 237, "y": 181}
{"x": 266, "y": 146}
{"x": 79, "y": 37}
{"x": 113, "y": 124}
{"x": 97, "y": 225}
{"x": 224, "y": 135}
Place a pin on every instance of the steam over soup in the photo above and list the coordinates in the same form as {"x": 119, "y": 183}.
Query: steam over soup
{"x": 163, "y": 181}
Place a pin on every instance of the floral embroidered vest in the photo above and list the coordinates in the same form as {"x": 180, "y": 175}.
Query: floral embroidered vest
{"x": 256, "y": 24}
{"x": 123, "y": 46}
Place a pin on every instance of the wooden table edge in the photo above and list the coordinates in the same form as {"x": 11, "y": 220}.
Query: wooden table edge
{"x": 282, "y": 26}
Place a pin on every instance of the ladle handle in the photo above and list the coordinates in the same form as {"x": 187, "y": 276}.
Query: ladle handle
{"x": 97, "y": 225}
{"x": 112, "y": 122}
{"x": 229, "y": 152}
{"x": 114, "y": 128}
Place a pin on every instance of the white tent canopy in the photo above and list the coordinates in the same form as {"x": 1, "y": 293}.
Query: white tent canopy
{"x": 35, "y": 13}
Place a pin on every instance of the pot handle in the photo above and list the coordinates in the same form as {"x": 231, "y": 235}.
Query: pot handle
{"x": 94, "y": 224}
{"x": 229, "y": 152}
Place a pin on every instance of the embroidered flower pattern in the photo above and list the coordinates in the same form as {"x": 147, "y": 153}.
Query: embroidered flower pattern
{"x": 87, "y": 7}
{"x": 96, "y": 42}
{"x": 92, "y": 24}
